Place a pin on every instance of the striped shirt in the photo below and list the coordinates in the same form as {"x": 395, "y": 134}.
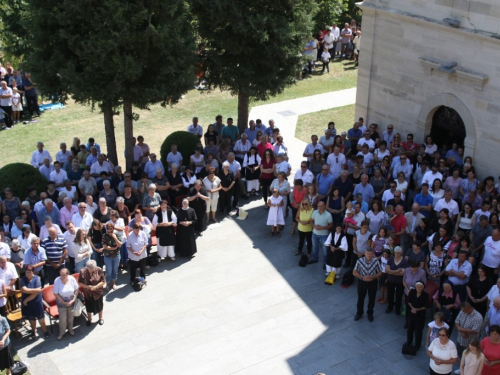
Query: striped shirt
{"x": 54, "y": 248}
{"x": 366, "y": 268}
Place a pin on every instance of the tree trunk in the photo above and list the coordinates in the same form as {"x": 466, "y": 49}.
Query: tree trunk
{"x": 243, "y": 104}
{"x": 129, "y": 133}
{"x": 109, "y": 128}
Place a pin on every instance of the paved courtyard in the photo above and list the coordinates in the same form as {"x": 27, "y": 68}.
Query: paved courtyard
{"x": 242, "y": 305}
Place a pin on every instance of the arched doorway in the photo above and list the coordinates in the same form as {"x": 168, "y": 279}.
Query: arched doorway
{"x": 447, "y": 127}
{"x": 435, "y": 102}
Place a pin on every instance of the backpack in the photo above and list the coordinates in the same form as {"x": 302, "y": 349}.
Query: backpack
{"x": 347, "y": 279}
{"x": 139, "y": 284}
{"x": 303, "y": 260}
{"x": 153, "y": 260}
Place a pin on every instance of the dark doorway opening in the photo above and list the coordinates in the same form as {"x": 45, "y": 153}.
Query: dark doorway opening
{"x": 447, "y": 127}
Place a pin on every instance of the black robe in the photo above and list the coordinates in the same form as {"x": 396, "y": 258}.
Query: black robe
{"x": 165, "y": 235}
{"x": 186, "y": 241}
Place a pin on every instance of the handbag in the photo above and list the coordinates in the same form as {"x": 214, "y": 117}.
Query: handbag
{"x": 409, "y": 350}
{"x": 330, "y": 279}
{"x": 18, "y": 368}
{"x": 78, "y": 308}
{"x": 303, "y": 260}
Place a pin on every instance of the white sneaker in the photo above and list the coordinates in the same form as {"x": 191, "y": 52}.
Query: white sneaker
{"x": 457, "y": 372}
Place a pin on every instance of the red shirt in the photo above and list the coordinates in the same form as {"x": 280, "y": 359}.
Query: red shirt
{"x": 399, "y": 222}
{"x": 261, "y": 149}
{"x": 266, "y": 165}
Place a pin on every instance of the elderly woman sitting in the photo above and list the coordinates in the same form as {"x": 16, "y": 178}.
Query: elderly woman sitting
{"x": 151, "y": 202}
{"x": 108, "y": 194}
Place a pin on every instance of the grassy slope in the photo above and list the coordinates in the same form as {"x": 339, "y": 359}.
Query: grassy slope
{"x": 79, "y": 121}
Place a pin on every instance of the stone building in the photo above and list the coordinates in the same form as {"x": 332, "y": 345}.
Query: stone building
{"x": 433, "y": 67}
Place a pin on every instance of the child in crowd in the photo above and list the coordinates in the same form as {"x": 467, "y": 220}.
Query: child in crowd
{"x": 388, "y": 217}
{"x": 383, "y": 280}
{"x": 435, "y": 326}
{"x": 17, "y": 106}
{"x": 325, "y": 57}
{"x": 275, "y": 217}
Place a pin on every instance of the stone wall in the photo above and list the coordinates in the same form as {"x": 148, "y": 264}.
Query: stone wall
{"x": 399, "y": 81}
{"x": 473, "y": 14}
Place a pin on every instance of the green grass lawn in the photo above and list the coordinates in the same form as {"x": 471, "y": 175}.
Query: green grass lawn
{"x": 316, "y": 122}
{"x": 79, "y": 121}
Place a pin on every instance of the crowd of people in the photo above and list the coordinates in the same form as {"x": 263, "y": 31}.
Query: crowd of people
{"x": 17, "y": 93}
{"x": 411, "y": 220}
{"x": 332, "y": 43}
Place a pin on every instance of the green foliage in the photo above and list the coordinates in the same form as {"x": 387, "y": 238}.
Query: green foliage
{"x": 186, "y": 143}
{"x": 252, "y": 46}
{"x": 352, "y": 13}
{"x": 115, "y": 52}
{"x": 13, "y": 33}
{"x": 19, "y": 177}
{"x": 329, "y": 12}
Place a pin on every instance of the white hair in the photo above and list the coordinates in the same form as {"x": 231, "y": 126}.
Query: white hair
{"x": 152, "y": 186}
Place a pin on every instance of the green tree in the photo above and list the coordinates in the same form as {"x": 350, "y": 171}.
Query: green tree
{"x": 13, "y": 34}
{"x": 328, "y": 12}
{"x": 111, "y": 53}
{"x": 252, "y": 47}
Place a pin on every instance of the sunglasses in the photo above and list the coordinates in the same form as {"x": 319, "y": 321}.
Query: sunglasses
{"x": 305, "y": 204}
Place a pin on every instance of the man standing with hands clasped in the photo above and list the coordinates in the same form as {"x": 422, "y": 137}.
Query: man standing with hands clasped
{"x": 367, "y": 270}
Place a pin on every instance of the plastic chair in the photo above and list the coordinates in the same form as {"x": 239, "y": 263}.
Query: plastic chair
{"x": 49, "y": 304}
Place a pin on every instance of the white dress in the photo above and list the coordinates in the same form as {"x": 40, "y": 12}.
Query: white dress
{"x": 17, "y": 106}
{"x": 275, "y": 216}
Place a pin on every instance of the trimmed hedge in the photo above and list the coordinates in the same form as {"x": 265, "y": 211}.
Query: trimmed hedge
{"x": 186, "y": 143}
{"x": 19, "y": 177}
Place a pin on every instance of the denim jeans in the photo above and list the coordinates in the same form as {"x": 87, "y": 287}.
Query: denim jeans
{"x": 123, "y": 253}
{"x": 111, "y": 268}
{"x": 81, "y": 264}
{"x": 318, "y": 242}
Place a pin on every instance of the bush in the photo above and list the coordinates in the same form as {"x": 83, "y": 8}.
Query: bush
{"x": 186, "y": 143}
{"x": 19, "y": 177}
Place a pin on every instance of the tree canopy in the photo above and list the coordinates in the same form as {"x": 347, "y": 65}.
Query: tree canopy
{"x": 114, "y": 53}
{"x": 252, "y": 47}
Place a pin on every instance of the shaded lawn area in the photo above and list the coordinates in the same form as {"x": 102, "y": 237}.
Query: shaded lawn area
{"x": 156, "y": 124}
{"x": 317, "y": 122}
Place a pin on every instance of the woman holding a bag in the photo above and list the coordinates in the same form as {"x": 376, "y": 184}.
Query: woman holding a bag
{"x": 66, "y": 291}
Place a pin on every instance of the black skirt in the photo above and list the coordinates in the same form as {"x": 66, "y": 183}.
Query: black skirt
{"x": 6, "y": 360}
{"x": 334, "y": 259}
{"x": 94, "y": 306}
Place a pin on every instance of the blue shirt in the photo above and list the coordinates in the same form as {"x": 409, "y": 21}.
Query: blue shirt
{"x": 96, "y": 145}
{"x": 324, "y": 183}
{"x": 30, "y": 92}
{"x": 54, "y": 248}
{"x": 31, "y": 258}
{"x": 16, "y": 232}
{"x": 423, "y": 201}
{"x": 91, "y": 159}
{"x": 54, "y": 215}
{"x": 364, "y": 206}
{"x": 4, "y": 327}
{"x": 252, "y": 134}
{"x": 356, "y": 133}
{"x": 367, "y": 192}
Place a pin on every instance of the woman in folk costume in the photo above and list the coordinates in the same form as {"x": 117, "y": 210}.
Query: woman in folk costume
{"x": 164, "y": 222}
{"x": 275, "y": 217}
{"x": 337, "y": 243}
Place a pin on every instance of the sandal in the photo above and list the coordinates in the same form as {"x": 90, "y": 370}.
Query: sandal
{"x": 298, "y": 252}
{"x": 47, "y": 334}
{"x": 292, "y": 232}
{"x": 278, "y": 234}
{"x": 272, "y": 234}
